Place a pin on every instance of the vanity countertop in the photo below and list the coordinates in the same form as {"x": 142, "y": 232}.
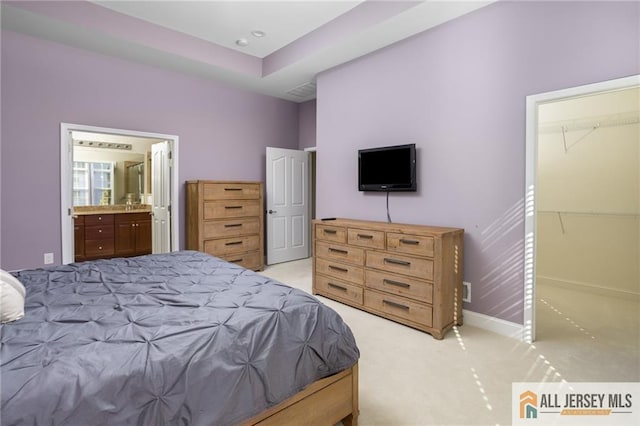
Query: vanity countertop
{"x": 112, "y": 209}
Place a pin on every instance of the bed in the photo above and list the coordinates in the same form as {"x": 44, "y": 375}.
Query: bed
{"x": 181, "y": 338}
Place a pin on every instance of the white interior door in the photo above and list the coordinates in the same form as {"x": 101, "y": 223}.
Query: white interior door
{"x": 161, "y": 199}
{"x": 287, "y": 205}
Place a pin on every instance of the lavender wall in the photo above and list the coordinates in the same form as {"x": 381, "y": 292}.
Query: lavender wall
{"x": 458, "y": 91}
{"x": 307, "y": 124}
{"x": 223, "y": 130}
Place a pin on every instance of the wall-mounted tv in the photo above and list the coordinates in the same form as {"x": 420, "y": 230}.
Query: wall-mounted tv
{"x": 387, "y": 168}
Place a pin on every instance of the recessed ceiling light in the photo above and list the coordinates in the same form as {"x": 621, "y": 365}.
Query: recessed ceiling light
{"x": 258, "y": 33}
{"x": 242, "y": 42}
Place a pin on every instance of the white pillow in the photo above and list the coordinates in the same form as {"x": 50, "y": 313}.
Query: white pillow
{"x": 12, "y": 295}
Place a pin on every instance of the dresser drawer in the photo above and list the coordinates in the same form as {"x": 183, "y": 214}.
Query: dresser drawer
{"x": 339, "y": 289}
{"x": 98, "y": 219}
{"x": 402, "y": 264}
{"x": 99, "y": 247}
{"x": 232, "y": 245}
{"x": 230, "y": 227}
{"x": 366, "y": 238}
{"x": 249, "y": 260}
{"x": 396, "y": 306}
{"x": 331, "y": 233}
{"x": 131, "y": 217}
{"x": 231, "y": 208}
{"x": 410, "y": 244}
{"x": 400, "y": 285}
{"x": 353, "y": 274}
{"x": 104, "y": 232}
{"x": 231, "y": 191}
{"x": 340, "y": 253}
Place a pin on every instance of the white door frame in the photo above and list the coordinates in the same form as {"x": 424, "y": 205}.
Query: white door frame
{"x": 312, "y": 192}
{"x": 66, "y": 181}
{"x": 531, "y": 165}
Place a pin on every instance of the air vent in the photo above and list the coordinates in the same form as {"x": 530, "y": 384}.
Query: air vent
{"x": 304, "y": 90}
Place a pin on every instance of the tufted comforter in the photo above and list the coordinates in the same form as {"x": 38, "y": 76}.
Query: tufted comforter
{"x": 172, "y": 339}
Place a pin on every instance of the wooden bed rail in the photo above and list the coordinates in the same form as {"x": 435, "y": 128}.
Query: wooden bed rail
{"x": 325, "y": 402}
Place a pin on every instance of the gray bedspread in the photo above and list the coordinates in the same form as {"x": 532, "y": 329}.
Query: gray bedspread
{"x": 172, "y": 339}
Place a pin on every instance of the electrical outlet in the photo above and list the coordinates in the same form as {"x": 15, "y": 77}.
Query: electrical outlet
{"x": 48, "y": 258}
{"x": 466, "y": 292}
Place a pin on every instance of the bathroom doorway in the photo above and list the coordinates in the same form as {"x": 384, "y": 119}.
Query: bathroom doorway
{"x": 123, "y": 159}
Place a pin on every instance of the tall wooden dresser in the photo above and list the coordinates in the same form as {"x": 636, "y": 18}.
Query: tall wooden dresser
{"x": 226, "y": 219}
{"x": 411, "y": 274}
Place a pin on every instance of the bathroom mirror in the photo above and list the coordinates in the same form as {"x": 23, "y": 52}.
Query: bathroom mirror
{"x": 108, "y": 170}
{"x": 134, "y": 181}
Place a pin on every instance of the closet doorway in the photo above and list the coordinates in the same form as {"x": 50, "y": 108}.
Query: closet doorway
{"x": 133, "y": 168}
{"x": 582, "y": 242}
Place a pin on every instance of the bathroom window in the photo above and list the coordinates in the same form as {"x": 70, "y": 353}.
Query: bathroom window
{"x": 92, "y": 183}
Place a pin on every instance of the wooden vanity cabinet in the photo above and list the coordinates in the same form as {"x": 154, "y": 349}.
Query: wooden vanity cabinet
{"x": 98, "y": 236}
{"x": 78, "y": 238}
{"x": 132, "y": 234}
{"x": 102, "y": 236}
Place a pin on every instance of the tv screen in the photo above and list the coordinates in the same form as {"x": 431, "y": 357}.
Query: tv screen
{"x": 388, "y": 168}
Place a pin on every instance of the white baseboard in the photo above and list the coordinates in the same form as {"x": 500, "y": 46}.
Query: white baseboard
{"x": 592, "y": 288}
{"x": 496, "y": 325}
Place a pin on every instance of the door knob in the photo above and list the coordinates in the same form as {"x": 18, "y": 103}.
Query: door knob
{"x": 272, "y": 211}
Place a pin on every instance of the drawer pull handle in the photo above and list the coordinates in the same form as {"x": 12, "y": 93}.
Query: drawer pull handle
{"x": 336, "y": 286}
{"x": 397, "y": 262}
{"x": 365, "y": 236}
{"x": 330, "y": 231}
{"x": 335, "y": 250}
{"x": 233, "y": 243}
{"x": 233, "y": 225}
{"x": 235, "y": 260}
{"x": 395, "y": 305}
{"x": 100, "y": 231}
{"x": 338, "y": 269}
{"x": 233, "y": 189}
{"x": 412, "y": 242}
{"x": 396, "y": 283}
{"x": 232, "y": 207}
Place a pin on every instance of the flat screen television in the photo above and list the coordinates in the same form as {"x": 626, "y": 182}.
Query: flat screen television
{"x": 387, "y": 168}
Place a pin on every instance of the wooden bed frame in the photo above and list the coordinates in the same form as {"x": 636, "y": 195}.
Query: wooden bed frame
{"x": 325, "y": 402}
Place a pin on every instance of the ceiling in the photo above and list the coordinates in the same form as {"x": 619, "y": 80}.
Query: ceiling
{"x": 301, "y": 38}
{"x": 224, "y": 22}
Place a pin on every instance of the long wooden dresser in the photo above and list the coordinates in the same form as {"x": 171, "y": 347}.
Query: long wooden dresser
{"x": 411, "y": 274}
{"x": 225, "y": 219}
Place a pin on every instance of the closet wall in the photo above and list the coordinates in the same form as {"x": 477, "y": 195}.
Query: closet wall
{"x": 588, "y": 193}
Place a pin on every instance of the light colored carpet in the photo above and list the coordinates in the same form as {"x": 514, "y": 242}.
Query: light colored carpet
{"x": 409, "y": 378}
